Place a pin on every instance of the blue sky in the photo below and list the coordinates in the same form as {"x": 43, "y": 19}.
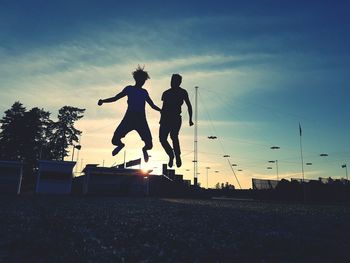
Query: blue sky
{"x": 261, "y": 67}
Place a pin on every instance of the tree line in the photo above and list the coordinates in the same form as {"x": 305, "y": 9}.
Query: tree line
{"x": 30, "y": 135}
{"x": 225, "y": 186}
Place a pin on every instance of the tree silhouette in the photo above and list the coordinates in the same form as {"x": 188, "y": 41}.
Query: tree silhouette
{"x": 23, "y": 133}
{"x": 63, "y": 132}
{"x": 12, "y": 133}
{"x": 37, "y": 125}
{"x": 32, "y": 135}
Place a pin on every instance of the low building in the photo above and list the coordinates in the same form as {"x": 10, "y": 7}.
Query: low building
{"x": 11, "y": 174}
{"x": 129, "y": 182}
{"x": 54, "y": 177}
{"x": 112, "y": 180}
{"x": 169, "y": 184}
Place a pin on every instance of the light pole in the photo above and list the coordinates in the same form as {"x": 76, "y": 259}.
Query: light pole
{"x": 211, "y": 137}
{"x": 346, "y": 171}
{"x": 233, "y": 165}
{"x": 233, "y": 171}
{"x": 207, "y": 174}
{"x": 275, "y": 161}
{"x": 323, "y": 155}
{"x": 308, "y": 164}
{"x": 78, "y": 147}
{"x": 195, "y": 141}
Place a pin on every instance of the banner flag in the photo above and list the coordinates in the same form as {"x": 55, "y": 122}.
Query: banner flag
{"x": 133, "y": 162}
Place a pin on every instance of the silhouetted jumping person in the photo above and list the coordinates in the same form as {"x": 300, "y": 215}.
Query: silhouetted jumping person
{"x": 170, "y": 120}
{"x": 135, "y": 116}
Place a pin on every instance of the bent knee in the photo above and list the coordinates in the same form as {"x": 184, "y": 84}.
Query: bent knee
{"x": 115, "y": 141}
{"x": 148, "y": 145}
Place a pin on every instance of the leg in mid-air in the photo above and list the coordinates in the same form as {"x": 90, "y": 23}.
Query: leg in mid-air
{"x": 117, "y": 142}
{"x": 145, "y": 134}
{"x": 119, "y": 133}
{"x": 176, "y": 146}
{"x": 174, "y": 135}
{"x": 144, "y": 151}
{"x": 163, "y": 138}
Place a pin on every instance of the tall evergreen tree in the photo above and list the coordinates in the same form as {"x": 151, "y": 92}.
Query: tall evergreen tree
{"x": 64, "y": 133}
{"x": 12, "y": 133}
{"x": 38, "y": 128}
{"x": 24, "y": 133}
{"x": 31, "y": 135}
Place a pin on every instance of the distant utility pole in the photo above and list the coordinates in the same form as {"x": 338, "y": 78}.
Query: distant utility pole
{"x": 275, "y": 162}
{"x": 302, "y": 162}
{"x": 207, "y": 175}
{"x": 346, "y": 171}
{"x": 301, "y": 153}
{"x": 195, "y": 159}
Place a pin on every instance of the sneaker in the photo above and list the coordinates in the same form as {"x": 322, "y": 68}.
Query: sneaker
{"x": 145, "y": 155}
{"x": 117, "y": 149}
{"x": 171, "y": 161}
{"x": 178, "y": 161}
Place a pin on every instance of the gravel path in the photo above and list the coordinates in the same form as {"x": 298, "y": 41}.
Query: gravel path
{"x": 113, "y": 229}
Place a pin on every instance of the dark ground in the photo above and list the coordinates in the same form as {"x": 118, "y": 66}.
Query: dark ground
{"x": 112, "y": 229}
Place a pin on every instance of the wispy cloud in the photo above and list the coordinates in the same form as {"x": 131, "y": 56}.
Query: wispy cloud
{"x": 255, "y": 68}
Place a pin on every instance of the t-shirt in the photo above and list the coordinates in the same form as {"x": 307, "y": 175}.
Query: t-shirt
{"x": 136, "y": 99}
{"x": 173, "y": 99}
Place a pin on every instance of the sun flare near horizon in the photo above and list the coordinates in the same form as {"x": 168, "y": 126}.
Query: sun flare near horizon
{"x": 259, "y": 73}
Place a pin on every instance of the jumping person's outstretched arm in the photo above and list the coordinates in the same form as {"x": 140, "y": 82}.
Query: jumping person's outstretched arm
{"x": 113, "y": 99}
{"x": 153, "y": 106}
{"x": 189, "y": 108}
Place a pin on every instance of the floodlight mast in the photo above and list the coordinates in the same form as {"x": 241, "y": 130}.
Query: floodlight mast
{"x": 195, "y": 157}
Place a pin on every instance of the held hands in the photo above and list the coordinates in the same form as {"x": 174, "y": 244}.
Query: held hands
{"x": 100, "y": 102}
{"x": 191, "y": 123}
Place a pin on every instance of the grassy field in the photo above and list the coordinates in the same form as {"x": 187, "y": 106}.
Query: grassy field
{"x": 112, "y": 229}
